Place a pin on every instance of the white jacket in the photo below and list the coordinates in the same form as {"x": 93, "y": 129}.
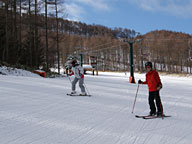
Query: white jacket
{"x": 78, "y": 71}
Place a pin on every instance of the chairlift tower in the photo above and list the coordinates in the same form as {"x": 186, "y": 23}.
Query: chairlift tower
{"x": 131, "y": 41}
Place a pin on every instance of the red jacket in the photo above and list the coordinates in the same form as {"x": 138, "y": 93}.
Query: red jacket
{"x": 152, "y": 80}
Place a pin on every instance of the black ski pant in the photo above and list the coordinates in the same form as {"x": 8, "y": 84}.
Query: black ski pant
{"x": 155, "y": 96}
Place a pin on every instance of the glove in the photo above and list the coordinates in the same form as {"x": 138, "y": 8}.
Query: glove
{"x": 81, "y": 75}
{"x": 159, "y": 87}
{"x": 140, "y": 82}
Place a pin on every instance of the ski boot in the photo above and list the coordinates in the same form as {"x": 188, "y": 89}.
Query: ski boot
{"x": 83, "y": 94}
{"x": 159, "y": 114}
{"x": 151, "y": 113}
{"x": 73, "y": 92}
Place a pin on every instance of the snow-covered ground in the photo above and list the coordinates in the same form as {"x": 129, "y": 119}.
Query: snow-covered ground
{"x": 36, "y": 110}
{"x": 16, "y": 72}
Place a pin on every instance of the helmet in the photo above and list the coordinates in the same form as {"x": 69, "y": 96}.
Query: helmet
{"x": 148, "y": 64}
{"x": 74, "y": 63}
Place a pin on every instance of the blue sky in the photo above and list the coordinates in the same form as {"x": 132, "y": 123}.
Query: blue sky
{"x": 141, "y": 15}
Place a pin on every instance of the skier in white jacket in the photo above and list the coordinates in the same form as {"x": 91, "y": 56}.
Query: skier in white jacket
{"x": 78, "y": 71}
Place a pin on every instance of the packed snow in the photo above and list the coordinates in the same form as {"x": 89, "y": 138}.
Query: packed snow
{"x": 16, "y": 72}
{"x": 36, "y": 110}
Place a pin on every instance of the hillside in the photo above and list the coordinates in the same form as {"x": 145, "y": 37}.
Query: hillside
{"x": 37, "y": 40}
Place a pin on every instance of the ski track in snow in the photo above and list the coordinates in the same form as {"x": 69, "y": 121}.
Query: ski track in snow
{"x": 35, "y": 110}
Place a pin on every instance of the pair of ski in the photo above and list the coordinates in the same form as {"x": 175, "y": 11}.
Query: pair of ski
{"x": 87, "y": 95}
{"x": 151, "y": 117}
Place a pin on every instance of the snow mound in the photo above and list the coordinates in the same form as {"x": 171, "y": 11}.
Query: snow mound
{"x": 16, "y": 72}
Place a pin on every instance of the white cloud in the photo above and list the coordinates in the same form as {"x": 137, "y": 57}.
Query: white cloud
{"x": 181, "y": 8}
{"x": 97, "y": 4}
{"x": 74, "y": 11}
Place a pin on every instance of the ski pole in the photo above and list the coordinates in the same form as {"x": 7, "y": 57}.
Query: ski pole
{"x": 161, "y": 107}
{"x": 86, "y": 88}
{"x": 69, "y": 79}
{"x": 135, "y": 98}
{"x": 161, "y": 111}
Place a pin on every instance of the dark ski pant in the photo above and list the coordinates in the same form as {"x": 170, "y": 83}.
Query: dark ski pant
{"x": 155, "y": 96}
{"x": 81, "y": 81}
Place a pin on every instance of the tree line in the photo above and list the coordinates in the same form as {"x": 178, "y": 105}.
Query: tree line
{"x": 169, "y": 51}
{"x": 25, "y": 32}
{"x": 34, "y": 33}
{"x": 37, "y": 34}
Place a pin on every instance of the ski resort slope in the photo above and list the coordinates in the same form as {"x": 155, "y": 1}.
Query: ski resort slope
{"x": 35, "y": 110}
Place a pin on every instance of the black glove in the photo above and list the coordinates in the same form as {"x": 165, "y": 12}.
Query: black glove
{"x": 159, "y": 87}
{"x": 140, "y": 82}
{"x": 80, "y": 75}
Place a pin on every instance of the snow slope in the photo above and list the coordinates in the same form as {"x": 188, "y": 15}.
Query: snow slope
{"x": 35, "y": 110}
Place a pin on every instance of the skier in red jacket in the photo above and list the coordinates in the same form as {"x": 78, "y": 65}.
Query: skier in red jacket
{"x": 154, "y": 84}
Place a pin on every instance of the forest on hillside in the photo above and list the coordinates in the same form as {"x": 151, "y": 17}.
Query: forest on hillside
{"x": 37, "y": 34}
